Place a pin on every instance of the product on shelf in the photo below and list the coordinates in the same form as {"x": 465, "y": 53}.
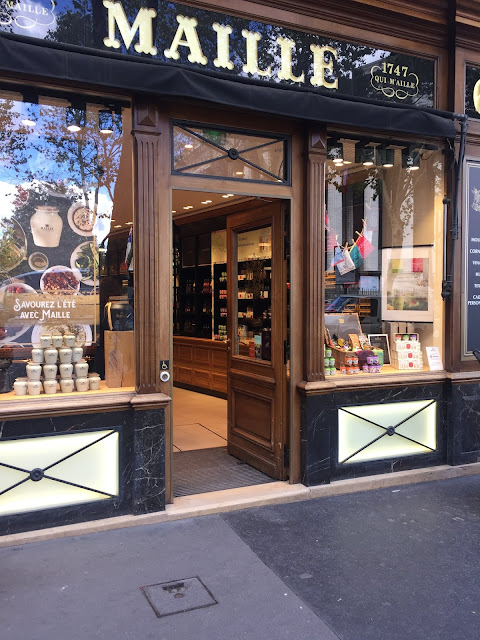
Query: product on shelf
{"x": 407, "y": 352}
{"x": 56, "y": 362}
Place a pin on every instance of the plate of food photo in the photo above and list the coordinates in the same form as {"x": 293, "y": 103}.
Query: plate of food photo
{"x": 60, "y": 280}
{"x": 13, "y": 245}
{"x": 81, "y": 219}
{"x": 85, "y": 259}
{"x": 12, "y": 288}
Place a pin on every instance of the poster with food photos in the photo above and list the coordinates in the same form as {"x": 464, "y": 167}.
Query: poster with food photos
{"x": 49, "y": 268}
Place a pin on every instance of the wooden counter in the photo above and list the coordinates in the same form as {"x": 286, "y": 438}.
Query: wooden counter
{"x": 200, "y": 363}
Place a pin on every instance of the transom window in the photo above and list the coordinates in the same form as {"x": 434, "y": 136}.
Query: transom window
{"x": 232, "y": 154}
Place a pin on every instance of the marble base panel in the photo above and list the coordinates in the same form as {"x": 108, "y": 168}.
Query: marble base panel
{"x": 141, "y": 466}
{"x": 464, "y": 422}
{"x": 319, "y": 432}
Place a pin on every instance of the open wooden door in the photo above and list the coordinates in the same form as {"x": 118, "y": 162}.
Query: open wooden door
{"x": 256, "y": 369}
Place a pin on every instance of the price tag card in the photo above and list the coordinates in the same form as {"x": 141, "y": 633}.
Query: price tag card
{"x": 434, "y": 359}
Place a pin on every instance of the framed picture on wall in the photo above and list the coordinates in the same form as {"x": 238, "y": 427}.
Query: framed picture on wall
{"x": 407, "y": 284}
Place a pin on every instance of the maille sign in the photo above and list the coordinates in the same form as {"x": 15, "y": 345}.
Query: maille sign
{"x": 213, "y": 42}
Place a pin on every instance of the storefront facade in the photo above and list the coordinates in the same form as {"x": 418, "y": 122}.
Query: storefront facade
{"x": 305, "y": 168}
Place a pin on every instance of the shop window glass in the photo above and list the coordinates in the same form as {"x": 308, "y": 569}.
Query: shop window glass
{"x": 383, "y": 255}
{"x": 66, "y": 265}
{"x": 229, "y": 154}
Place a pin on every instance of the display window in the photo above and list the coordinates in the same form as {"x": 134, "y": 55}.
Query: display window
{"x": 384, "y": 227}
{"x": 66, "y": 261}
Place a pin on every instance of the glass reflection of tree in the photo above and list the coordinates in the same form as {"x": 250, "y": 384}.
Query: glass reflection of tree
{"x": 53, "y": 161}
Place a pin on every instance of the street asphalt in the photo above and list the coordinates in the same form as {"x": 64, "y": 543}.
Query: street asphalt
{"x": 393, "y": 564}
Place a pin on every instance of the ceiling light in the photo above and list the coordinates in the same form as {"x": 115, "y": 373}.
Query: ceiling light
{"x": 75, "y": 118}
{"x": 364, "y": 154}
{"x": 117, "y": 226}
{"x": 225, "y": 196}
{"x": 129, "y": 222}
{"x": 411, "y": 158}
{"x": 239, "y": 173}
{"x": 347, "y": 162}
{"x": 30, "y": 108}
{"x": 385, "y": 157}
{"x": 173, "y": 211}
{"x": 105, "y": 121}
{"x": 335, "y": 151}
{"x": 230, "y": 195}
{"x": 188, "y": 146}
{"x": 189, "y": 207}
{"x": 206, "y": 201}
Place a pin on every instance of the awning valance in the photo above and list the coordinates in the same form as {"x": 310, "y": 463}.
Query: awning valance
{"x": 132, "y": 76}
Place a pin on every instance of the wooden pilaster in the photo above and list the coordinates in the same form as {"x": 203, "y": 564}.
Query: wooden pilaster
{"x": 152, "y": 247}
{"x": 314, "y": 255}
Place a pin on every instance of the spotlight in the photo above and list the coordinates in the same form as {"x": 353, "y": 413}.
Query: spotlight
{"x": 75, "y": 118}
{"x": 30, "y": 109}
{"x": 411, "y": 158}
{"x": 365, "y": 154}
{"x": 335, "y": 152}
{"x": 105, "y": 121}
{"x": 385, "y": 157}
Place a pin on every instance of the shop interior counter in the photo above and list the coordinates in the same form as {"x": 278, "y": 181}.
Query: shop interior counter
{"x": 200, "y": 363}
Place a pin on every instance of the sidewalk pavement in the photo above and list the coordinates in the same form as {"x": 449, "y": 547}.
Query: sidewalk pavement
{"x": 392, "y": 564}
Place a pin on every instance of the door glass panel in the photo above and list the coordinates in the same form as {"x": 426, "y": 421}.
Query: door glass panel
{"x": 253, "y": 300}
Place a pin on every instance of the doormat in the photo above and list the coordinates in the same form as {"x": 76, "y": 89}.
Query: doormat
{"x": 206, "y": 470}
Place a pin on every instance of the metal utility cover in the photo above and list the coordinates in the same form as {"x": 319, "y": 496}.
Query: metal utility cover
{"x": 167, "y": 598}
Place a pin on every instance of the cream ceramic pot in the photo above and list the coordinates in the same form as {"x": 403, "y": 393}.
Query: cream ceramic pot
{"x": 50, "y": 386}
{"x": 65, "y": 355}
{"x": 50, "y": 355}
{"x": 20, "y": 387}
{"x": 66, "y": 384}
{"x": 37, "y": 355}
{"x": 81, "y": 369}
{"x": 82, "y": 384}
{"x": 34, "y": 371}
{"x": 49, "y": 371}
{"x": 57, "y": 341}
{"x": 46, "y": 227}
{"x": 34, "y": 387}
{"x": 69, "y": 339}
{"x": 94, "y": 383}
{"x": 77, "y": 354}
{"x": 45, "y": 340}
{"x": 66, "y": 370}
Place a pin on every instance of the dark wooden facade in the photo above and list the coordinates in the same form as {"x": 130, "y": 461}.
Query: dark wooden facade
{"x": 445, "y": 31}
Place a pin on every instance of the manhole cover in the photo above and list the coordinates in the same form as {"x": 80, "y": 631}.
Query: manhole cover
{"x": 178, "y": 596}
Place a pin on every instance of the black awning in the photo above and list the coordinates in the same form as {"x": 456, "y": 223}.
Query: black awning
{"x": 130, "y": 75}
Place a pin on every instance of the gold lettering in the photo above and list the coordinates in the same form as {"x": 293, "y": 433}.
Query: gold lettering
{"x": 476, "y": 96}
{"x": 142, "y": 24}
{"x": 320, "y": 66}
{"x": 222, "y": 61}
{"x": 187, "y": 28}
{"x": 285, "y": 72}
{"x": 251, "y": 66}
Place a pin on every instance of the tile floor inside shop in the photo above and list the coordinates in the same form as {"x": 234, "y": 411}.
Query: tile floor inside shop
{"x": 199, "y": 421}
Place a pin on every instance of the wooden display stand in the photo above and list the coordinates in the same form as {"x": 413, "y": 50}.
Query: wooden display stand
{"x": 119, "y": 359}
